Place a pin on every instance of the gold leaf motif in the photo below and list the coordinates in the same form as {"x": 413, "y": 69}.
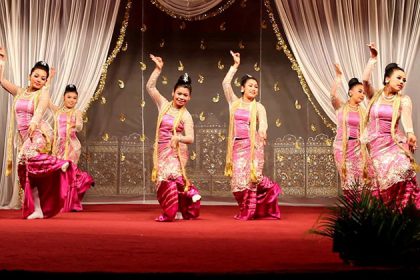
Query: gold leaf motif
{"x": 162, "y": 43}
{"x": 103, "y": 100}
{"x": 256, "y": 67}
{"x": 220, "y": 65}
{"x": 142, "y": 137}
{"x": 297, "y": 105}
{"x": 222, "y": 26}
{"x": 216, "y": 98}
{"x": 308, "y": 160}
{"x": 278, "y": 123}
{"x": 182, "y": 25}
{"x": 279, "y": 157}
{"x": 121, "y": 84}
{"x": 276, "y": 86}
{"x": 122, "y": 117}
{"x": 143, "y": 27}
{"x": 125, "y": 47}
{"x": 237, "y": 83}
{"x": 164, "y": 80}
{"x": 122, "y": 157}
{"x": 298, "y": 146}
{"x": 202, "y": 45}
{"x": 105, "y": 137}
{"x": 193, "y": 155}
{"x": 143, "y": 66}
{"x": 221, "y": 137}
{"x": 328, "y": 142}
{"x": 313, "y": 127}
{"x": 180, "y": 66}
{"x": 142, "y": 103}
{"x": 200, "y": 78}
{"x": 263, "y": 24}
{"x": 241, "y": 45}
{"x": 202, "y": 117}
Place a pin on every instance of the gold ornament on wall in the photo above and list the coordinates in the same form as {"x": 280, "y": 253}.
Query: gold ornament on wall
{"x": 222, "y": 26}
{"x": 200, "y": 78}
{"x": 298, "y": 145}
{"x": 241, "y": 45}
{"x": 236, "y": 82}
{"x": 193, "y": 155}
{"x": 256, "y": 67}
{"x": 278, "y": 122}
{"x": 162, "y": 43}
{"x": 220, "y": 65}
{"x": 142, "y": 137}
{"x": 313, "y": 127}
{"x": 122, "y": 157}
{"x": 124, "y": 49}
{"x": 328, "y": 141}
{"x": 202, "y": 117}
{"x": 202, "y": 45}
{"x": 103, "y": 100}
{"x": 121, "y": 84}
{"x": 122, "y": 117}
{"x": 143, "y": 27}
{"x": 105, "y": 137}
{"x": 180, "y": 66}
{"x": 276, "y": 86}
{"x": 263, "y": 24}
{"x": 164, "y": 80}
{"x": 182, "y": 25}
{"x": 279, "y": 157}
{"x": 216, "y": 98}
{"x": 297, "y": 105}
{"x": 143, "y": 66}
{"x": 142, "y": 103}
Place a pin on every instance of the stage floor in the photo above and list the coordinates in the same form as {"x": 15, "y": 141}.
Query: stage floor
{"x": 123, "y": 240}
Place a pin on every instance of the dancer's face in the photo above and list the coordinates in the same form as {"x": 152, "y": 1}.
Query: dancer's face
{"x": 250, "y": 89}
{"x": 181, "y": 96}
{"x": 70, "y": 99}
{"x": 397, "y": 80}
{"x": 357, "y": 94}
{"x": 37, "y": 79}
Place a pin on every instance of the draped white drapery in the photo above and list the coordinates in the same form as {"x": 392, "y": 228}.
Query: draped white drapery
{"x": 71, "y": 36}
{"x": 189, "y": 8}
{"x": 323, "y": 32}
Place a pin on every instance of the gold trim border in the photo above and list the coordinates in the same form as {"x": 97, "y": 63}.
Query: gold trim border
{"x": 295, "y": 65}
{"x": 111, "y": 57}
{"x": 203, "y": 16}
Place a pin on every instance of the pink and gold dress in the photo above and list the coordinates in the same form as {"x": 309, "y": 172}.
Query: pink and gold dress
{"x": 66, "y": 145}
{"x": 389, "y": 149}
{"x": 256, "y": 194}
{"x": 36, "y": 167}
{"x": 174, "y": 191}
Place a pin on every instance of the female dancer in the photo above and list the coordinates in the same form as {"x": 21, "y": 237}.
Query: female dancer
{"x": 390, "y": 149}
{"x": 349, "y": 154}
{"x": 174, "y": 130}
{"x": 43, "y": 177}
{"x": 67, "y": 122}
{"x": 257, "y": 195}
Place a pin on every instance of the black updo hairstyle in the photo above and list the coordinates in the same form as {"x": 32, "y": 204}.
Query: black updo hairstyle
{"x": 245, "y": 78}
{"x": 71, "y": 88}
{"x": 184, "y": 81}
{"x": 354, "y": 82}
{"x": 43, "y": 66}
{"x": 389, "y": 69}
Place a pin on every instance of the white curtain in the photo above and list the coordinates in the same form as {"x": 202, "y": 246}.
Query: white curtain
{"x": 323, "y": 32}
{"x": 70, "y": 35}
{"x": 189, "y": 8}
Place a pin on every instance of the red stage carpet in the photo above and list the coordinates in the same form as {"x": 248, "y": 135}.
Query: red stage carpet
{"x": 125, "y": 239}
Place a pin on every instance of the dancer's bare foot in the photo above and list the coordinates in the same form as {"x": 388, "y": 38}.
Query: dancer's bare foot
{"x": 36, "y": 215}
